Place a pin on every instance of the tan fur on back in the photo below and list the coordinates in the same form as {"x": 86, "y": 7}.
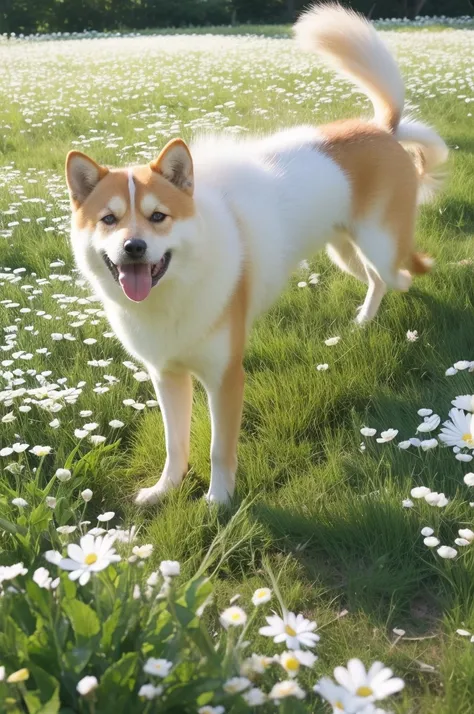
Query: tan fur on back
{"x": 381, "y": 173}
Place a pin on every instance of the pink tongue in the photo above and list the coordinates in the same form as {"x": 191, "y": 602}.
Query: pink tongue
{"x": 135, "y": 281}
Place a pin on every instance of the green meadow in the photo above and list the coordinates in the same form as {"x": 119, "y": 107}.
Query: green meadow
{"x": 318, "y": 504}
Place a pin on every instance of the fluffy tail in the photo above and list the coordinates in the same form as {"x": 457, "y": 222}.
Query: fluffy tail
{"x": 350, "y": 44}
{"x": 430, "y": 153}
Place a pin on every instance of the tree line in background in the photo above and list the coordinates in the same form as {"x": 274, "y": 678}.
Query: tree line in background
{"x": 29, "y": 16}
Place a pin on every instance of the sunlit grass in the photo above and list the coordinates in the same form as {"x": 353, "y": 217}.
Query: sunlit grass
{"x": 328, "y": 517}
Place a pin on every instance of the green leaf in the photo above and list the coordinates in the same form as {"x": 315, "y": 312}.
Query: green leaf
{"x": 45, "y": 682}
{"x": 40, "y": 598}
{"x": 32, "y": 702}
{"x": 78, "y": 657}
{"x": 196, "y": 593}
{"x": 69, "y": 588}
{"x": 12, "y": 528}
{"x": 184, "y": 615}
{"x": 109, "y": 627}
{"x": 83, "y": 619}
{"x": 40, "y": 516}
{"x": 52, "y": 706}
{"x": 120, "y": 675}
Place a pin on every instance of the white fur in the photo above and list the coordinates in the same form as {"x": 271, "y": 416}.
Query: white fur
{"x": 350, "y": 44}
{"x": 132, "y": 192}
{"x": 117, "y": 206}
{"x": 262, "y": 204}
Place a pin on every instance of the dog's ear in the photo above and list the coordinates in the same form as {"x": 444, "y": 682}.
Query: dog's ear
{"x": 82, "y": 176}
{"x": 175, "y": 164}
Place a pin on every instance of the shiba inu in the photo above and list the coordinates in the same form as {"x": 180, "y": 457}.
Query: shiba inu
{"x": 186, "y": 251}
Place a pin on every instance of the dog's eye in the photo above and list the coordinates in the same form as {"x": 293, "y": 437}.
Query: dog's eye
{"x": 157, "y": 217}
{"x": 109, "y": 220}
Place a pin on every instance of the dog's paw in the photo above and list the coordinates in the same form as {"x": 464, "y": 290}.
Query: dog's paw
{"x": 149, "y": 496}
{"x": 219, "y": 497}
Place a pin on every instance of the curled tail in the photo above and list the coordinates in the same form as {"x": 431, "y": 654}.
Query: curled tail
{"x": 351, "y": 45}
{"x": 430, "y": 154}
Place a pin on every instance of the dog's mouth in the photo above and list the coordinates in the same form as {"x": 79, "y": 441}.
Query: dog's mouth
{"x": 137, "y": 279}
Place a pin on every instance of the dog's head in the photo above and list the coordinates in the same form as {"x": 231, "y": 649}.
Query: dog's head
{"x": 132, "y": 226}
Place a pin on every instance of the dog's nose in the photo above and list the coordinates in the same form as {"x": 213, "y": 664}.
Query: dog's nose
{"x": 135, "y": 248}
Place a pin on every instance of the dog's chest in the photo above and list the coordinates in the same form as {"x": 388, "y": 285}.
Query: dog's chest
{"x": 158, "y": 339}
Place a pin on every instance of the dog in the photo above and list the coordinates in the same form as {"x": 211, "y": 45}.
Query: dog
{"x": 186, "y": 251}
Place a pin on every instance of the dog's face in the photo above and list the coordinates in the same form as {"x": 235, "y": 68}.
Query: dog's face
{"x": 132, "y": 227}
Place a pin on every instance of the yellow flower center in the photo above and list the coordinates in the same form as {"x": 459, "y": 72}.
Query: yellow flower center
{"x": 235, "y": 616}
{"x": 339, "y": 705}
{"x": 467, "y": 437}
{"x": 290, "y": 631}
{"x": 292, "y": 664}
{"x": 90, "y": 559}
{"x": 364, "y": 692}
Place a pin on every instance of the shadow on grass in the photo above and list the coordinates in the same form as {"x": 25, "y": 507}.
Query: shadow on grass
{"x": 367, "y": 563}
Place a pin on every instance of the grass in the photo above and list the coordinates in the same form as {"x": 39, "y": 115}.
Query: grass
{"x": 326, "y": 517}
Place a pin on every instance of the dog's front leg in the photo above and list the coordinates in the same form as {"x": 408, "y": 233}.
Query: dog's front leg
{"x": 175, "y": 395}
{"x": 225, "y": 403}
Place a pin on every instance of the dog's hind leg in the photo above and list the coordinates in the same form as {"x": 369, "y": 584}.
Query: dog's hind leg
{"x": 346, "y": 256}
{"x": 175, "y": 395}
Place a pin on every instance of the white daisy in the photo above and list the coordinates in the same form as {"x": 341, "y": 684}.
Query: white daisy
{"x": 342, "y": 701}
{"x": 458, "y": 431}
{"x": 86, "y": 685}
{"x": 412, "y": 335}
{"x": 431, "y": 541}
{"x": 294, "y": 630}
{"x": 149, "y": 691}
{"x": 387, "y": 435}
{"x": 368, "y": 431}
{"x": 157, "y": 667}
{"x": 469, "y": 479}
{"x": 292, "y": 661}
{"x": 436, "y": 499}
{"x": 446, "y": 552}
{"x": 428, "y": 444}
{"x": 424, "y": 412}
{"x": 261, "y": 596}
{"x": 92, "y": 555}
{"x": 420, "y": 492}
{"x": 170, "y": 568}
{"x": 236, "y": 685}
{"x": 255, "y": 697}
{"x": 255, "y": 664}
{"x": 288, "y": 688}
{"x": 430, "y": 423}
{"x": 86, "y": 495}
{"x": 142, "y": 551}
{"x": 234, "y": 616}
{"x": 465, "y": 401}
{"x": 63, "y": 475}
{"x": 465, "y": 458}
{"x": 374, "y": 684}
{"x": 105, "y": 517}
{"x": 331, "y": 341}
{"x": 211, "y": 710}
{"x": 467, "y": 534}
